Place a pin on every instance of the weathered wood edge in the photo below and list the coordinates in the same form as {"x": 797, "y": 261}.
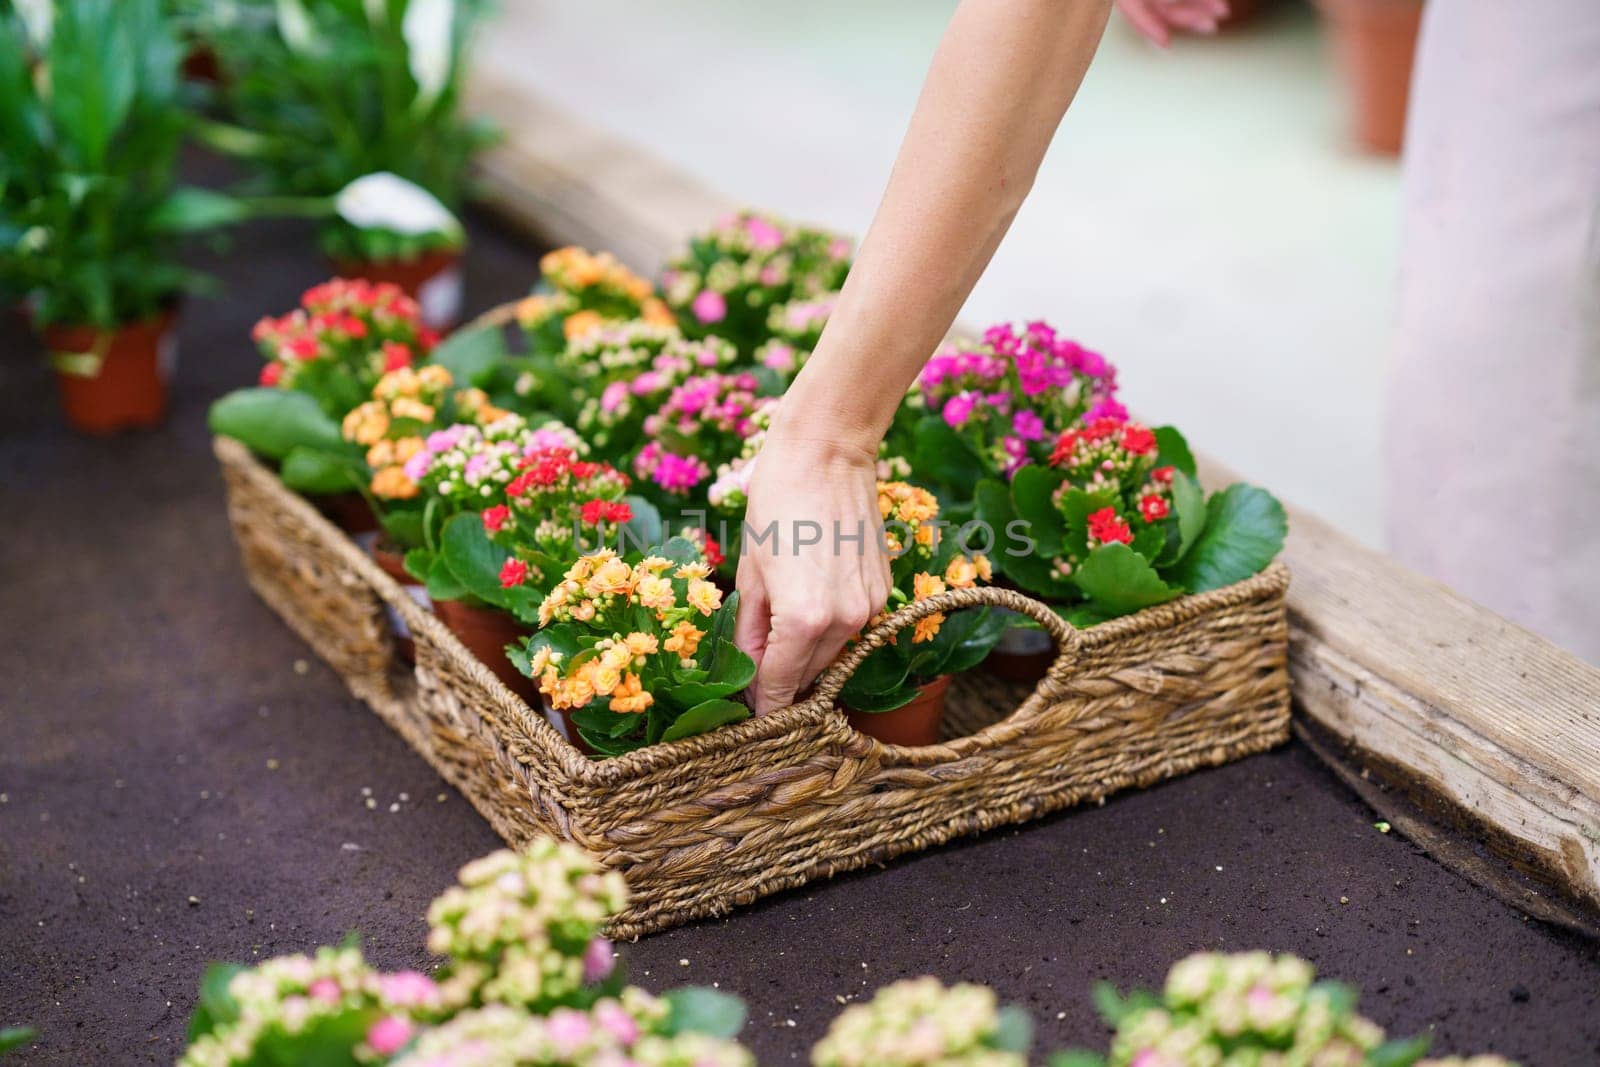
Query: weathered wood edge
{"x": 1496, "y": 722}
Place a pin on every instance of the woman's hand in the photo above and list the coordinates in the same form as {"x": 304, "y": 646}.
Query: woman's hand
{"x": 812, "y": 570}
{"x": 1156, "y": 19}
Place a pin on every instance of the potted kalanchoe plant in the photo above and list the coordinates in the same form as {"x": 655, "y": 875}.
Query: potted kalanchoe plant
{"x": 796, "y": 327}
{"x": 703, "y": 423}
{"x": 639, "y": 653}
{"x": 1247, "y": 1007}
{"x": 539, "y": 507}
{"x": 896, "y": 693}
{"x": 90, "y": 211}
{"x": 987, "y": 410}
{"x": 730, "y": 279}
{"x": 358, "y": 105}
{"x": 919, "y": 1022}
{"x": 580, "y": 291}
{"x": 1116, "y": 521}
{"x": 527, "y": 977}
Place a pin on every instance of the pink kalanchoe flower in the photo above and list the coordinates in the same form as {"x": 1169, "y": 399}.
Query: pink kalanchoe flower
{"x": 389, "y": 1035}
{"x": 1106, "y": 408}
{"x": 710, "y": 306}
{"x": 615, "y": 1020}
{"x": 325, "y": 990}
{"x": 779, "y": 357}
{"x": 446, "y": 439}
{"x": 408, "y": 988}
{"x": 1027, "y": 425}
{"x": 958, "y": 409}
{"x": 614, "y": 396}
{"x": 569, "y": 1030}
{"x": 599, "y": 960}
{"x": 417, "y": 466}
{"x": 764, "y": 236}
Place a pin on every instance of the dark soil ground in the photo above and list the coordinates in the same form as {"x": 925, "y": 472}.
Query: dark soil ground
{"x": 181, "y": 780}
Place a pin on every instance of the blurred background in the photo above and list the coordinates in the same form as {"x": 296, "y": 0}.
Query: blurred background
{"x": 1204, "y": 218}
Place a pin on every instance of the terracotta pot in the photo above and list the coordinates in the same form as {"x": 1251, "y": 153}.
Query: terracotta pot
{"x": 486, "y": 632}
{"x": 917, "y": 723}
{"x": 125, "y": 389}
{"x": 433, "y": 279}
{"x": 394, "y": 565}
{"x": 1023, "y": 654}
{"x": 1373, "y": 41}
{"x": 201, "y": 64}
{"x": 350, "y": 512}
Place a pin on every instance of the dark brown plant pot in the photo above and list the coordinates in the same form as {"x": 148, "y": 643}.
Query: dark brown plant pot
{"x": 394, "y": 565}
{"x": 1023, "y": 654}
{"x": 350, "y": 512}
{"x": 432, "y": 279}
{"x": 1373, "y": 42}
{"x": 915, "y": 724}
{"x": 486, "y": 632}
{"x": 201, "y": 64}
{"x": 125, "y": 389}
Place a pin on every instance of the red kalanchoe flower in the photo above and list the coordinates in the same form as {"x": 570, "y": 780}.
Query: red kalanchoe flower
{"x": 593, "y": 512}
{"x": 1138, "y": 439}
{"x": 1163, "y": 475}
{"x": 1107, "y": 528}
{"x": 303, "y": 348}
{"x": 619, "y": 512}
{"x": 427, "y": 338}
{"x": 1154, "y": 507}
{"x": 713, "y": 552}
{"x": 351, "y": 326}
{"x": 395, "y": 356}
{"x": 513, "y": 574}
{"x": 495, "y": 518}
{"x": 271, "y": 373}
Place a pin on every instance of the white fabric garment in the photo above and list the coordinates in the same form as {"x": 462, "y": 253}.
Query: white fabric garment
{"x": 1493, "y": 429}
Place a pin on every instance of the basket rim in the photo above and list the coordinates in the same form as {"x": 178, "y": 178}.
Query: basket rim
{"x": 809, "y": 713}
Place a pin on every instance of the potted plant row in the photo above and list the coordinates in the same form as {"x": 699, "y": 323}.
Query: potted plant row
{"x": 527, "y": 976}
{"x": 573, "y": 510}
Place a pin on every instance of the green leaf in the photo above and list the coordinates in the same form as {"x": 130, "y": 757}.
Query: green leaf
{"x": 1077, "y": 1057}
{"x": 1033, "y": 496}
{"x": 471, "y": 356}
{"x": 944, "y": 457}
{"x": 698, "y": 1010}
{"x": 1399, "y": 1052}
{"x": 979, "y": 640}
{"x": 1189, "y": 502}
{"x": 189, "y": 208}
{"x": 883, "y": 671}
{"x": 1245, "y": 528}
{"x": 703, "y": 718}
{"x": 216, "y": 1006}
{"x": 877, "y": 703}
{"x": 310, "y": 470}
{"x": 14, "y": 1037}
{"x": 1172, "y": 450}
{"x": 441, "y": 581}
{"x": 473, "y": 559}
{"x": 1119, "y": 581}
{"x": 271, "y": 422}
{"x": 1013, "y": 1030}
{"x": 645, "y": 526}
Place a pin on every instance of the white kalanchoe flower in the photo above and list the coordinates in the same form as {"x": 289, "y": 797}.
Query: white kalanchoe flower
{"x": 384, "y": 201}
{"x": 427, "y": 28}
{"x": 918, "y": 1023}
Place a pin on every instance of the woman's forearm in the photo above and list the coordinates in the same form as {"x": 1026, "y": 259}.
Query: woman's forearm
{"x": 999, "y": 83}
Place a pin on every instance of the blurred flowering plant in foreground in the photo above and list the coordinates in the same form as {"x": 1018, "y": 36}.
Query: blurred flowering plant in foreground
{"x": 529, "y": 979}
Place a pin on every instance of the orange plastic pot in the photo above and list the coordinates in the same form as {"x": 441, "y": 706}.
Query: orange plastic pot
{"x": 915, "y": 724}
{"x": 117, "y": 379}
{"x": 394, "y": 565}
{"x": 1374, "y": 42}
{"x": 432, "y": 279}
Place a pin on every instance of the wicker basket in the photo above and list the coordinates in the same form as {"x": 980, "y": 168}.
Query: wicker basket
{"x": 702, "y": 825}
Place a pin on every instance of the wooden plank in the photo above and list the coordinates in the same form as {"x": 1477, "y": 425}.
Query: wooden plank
{"x": 1494, "y": 720}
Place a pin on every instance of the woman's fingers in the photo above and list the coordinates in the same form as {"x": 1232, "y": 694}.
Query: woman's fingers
{"x": 754, "y": 621}
{"x": 795, "y": 635}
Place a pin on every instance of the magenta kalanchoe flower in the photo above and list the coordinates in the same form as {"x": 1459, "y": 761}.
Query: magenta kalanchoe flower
{"x": 1013, "y": 392}
{"x": 710, "y": 306}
